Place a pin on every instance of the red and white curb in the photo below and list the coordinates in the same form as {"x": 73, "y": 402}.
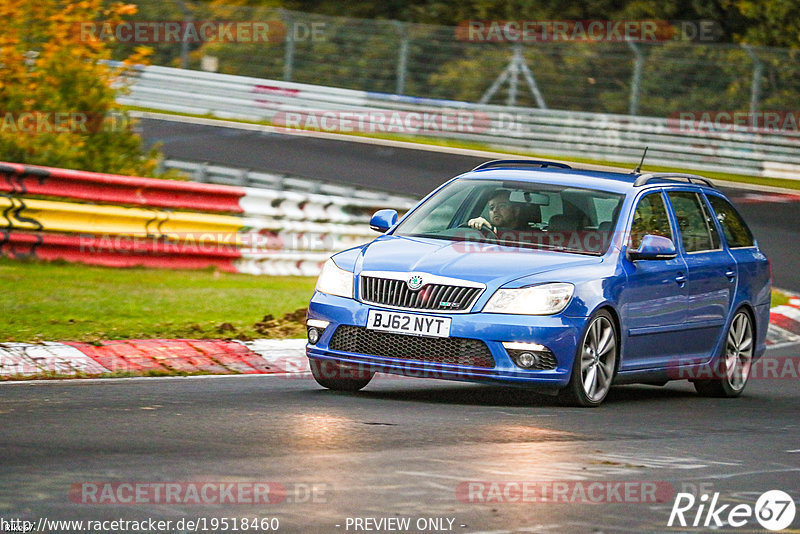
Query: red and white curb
{"x": 215, "y": 356}
{"x": 784, "y": 323}
{"x": 152, "y": 357}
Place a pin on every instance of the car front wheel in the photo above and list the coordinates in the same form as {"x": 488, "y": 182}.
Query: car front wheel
{"x": 339, "y": 377}
{"x": 593, "y": 368}
{"x": 733, "y": 365}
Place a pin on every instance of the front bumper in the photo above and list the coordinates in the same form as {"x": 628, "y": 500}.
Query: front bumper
{"x": 558, "y": 333}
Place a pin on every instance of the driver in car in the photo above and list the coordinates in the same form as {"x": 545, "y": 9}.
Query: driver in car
{"x": 503, "y": 214}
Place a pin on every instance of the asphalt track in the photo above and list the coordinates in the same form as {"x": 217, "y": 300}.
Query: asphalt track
{"x": 774, "y": 220}
{"x": 400, "y": 448}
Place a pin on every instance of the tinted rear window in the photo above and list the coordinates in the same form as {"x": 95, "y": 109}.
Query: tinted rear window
{"x": 737, "y": 234}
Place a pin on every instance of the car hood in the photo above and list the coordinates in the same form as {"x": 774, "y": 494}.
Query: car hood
{"x": 492, "y": 265}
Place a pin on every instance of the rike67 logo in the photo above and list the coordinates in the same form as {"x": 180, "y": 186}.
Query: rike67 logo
{"x": 774, "y": 510}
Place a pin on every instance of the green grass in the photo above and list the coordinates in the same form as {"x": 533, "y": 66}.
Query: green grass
{"x": 73, "y": 302}
{"x": 779, "y": 298}
{"x": 423, "y": 140}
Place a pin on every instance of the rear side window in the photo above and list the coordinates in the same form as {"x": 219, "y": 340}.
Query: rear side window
{"x": 651, "y": 218}
{"x": 698, "y": 231}
{"x": 737, "y": 234}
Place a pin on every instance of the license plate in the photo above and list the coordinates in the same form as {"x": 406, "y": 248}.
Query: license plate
{"x": 408, "y": 323}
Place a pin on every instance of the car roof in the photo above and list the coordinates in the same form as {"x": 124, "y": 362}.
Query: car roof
{"x": 562, "y": 174}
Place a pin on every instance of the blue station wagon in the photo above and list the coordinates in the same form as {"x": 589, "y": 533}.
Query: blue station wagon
{"x": 535, "y": 274}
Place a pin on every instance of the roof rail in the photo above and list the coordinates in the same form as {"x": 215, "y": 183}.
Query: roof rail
{"x": 520, "y": 163}
{"x": 691, "y": 178}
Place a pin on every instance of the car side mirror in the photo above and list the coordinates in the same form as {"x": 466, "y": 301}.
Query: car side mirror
{"x": 382, "y": 220}
{"x": 654, "y": 247}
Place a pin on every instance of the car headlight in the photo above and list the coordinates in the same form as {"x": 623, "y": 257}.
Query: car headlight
{"x": 545, "y": 299}
{"x": 335, "y": 281}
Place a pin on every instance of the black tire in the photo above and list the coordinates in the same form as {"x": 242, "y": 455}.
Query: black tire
{"x": 339, "y": 377}
{"x": 596, "y": 353}
{"x": 732, "y": 369}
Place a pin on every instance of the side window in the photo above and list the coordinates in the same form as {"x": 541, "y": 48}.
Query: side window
{"x": 697, "y": 228}
{"x": 737, "y": 234}
{"x": 651, "y": 218}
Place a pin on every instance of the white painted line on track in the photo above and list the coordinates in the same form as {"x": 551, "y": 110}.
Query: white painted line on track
{"x": 33, "y": 381}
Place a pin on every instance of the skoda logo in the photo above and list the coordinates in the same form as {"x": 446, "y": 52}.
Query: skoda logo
{"x": 415, "y": 282}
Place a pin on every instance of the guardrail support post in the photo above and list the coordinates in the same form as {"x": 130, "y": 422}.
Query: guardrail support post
{"x": 244, "y": 178}
{"x": 201, "y": 174}
{"x": 636, "y": 78}
{"x": 402, "y": 59}
{"x": 755, "y": 87}
{"x": 288, "y": 52}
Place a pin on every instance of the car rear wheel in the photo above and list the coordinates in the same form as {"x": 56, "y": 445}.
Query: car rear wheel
{"x": 593, "y": 368}
{"x": 733, "y": 366}
{"x": 339, "y": 377}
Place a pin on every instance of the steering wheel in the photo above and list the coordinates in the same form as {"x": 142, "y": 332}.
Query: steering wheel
{"x": 487, "y": 230}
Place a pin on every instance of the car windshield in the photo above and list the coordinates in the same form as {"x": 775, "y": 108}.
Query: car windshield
{"x": 519, "y": 214}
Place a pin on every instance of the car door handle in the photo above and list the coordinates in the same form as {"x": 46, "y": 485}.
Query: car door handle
{"x": 731, "y": 274}
{"x": 681, "y": 278}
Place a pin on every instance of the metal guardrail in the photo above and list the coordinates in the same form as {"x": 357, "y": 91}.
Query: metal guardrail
{"x": 297, "y": 187}
{"x": 618, "y": 138}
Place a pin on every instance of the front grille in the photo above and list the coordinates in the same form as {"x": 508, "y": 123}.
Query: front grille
{"x": 449, "y": 350}
{"x": 431, "y": 297}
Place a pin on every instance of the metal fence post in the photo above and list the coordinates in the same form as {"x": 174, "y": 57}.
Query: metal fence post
{"x": 187, "y": 18}
{"x": 636, "y": 78}
{"x": 402, "y": 58}
{"x": 288, "y": 53}
{"x": 513, "y": 78}
{"x": 758, "y": 73}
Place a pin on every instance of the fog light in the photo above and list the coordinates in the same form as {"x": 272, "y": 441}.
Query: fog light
{"x": 313, "y": 335}
{"x": 531, "y": 356}
{"x": 315, "y": 329}
{"x": 526, "y": 360}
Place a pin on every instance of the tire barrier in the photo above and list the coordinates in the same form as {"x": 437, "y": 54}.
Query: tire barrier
{"x": 175, "y": 224}
{"x": 34, "y": 214}
{"x": 117, "y": 252}
{"x": 22, "y": 180}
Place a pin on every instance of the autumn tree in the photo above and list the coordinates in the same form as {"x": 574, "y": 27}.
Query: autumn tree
{"x": 58, "y": 94}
